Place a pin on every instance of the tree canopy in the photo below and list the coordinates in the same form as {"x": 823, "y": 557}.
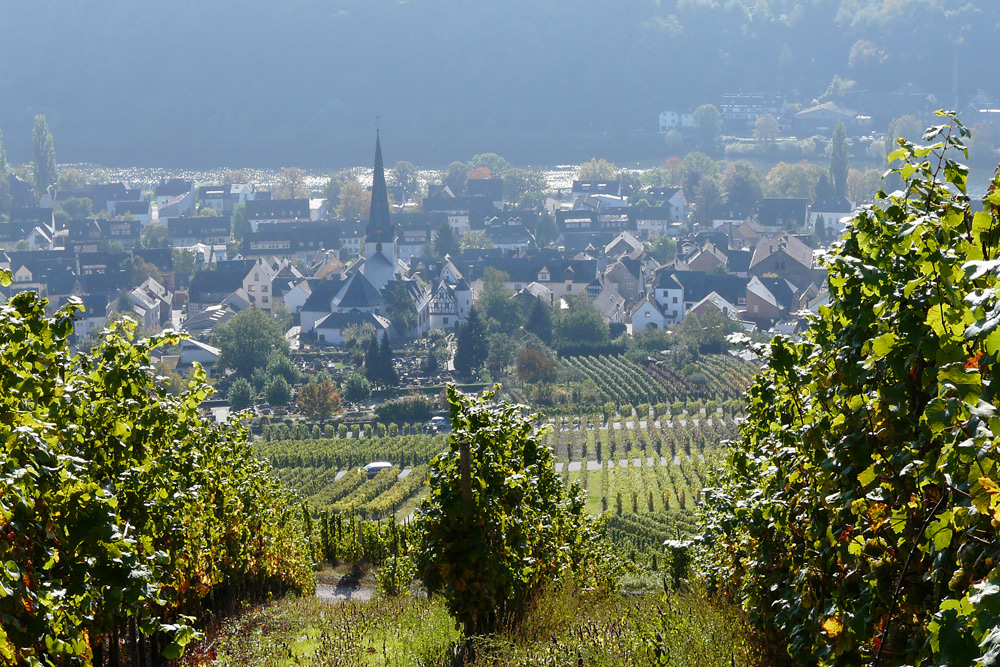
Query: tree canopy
{"x": 247, "y": 341}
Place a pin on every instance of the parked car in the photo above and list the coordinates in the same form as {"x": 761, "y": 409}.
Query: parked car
{"x": 436, "y": 425}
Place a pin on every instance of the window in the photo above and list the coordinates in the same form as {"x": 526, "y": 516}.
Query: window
{"x": 252, "y": 289}
{"x": 446, "y": 321}
{"x": 569, "y": 287}
{"x": 264, "y": 299}
{"x": 675, "y": 299}
{"x": 265, "y": 289}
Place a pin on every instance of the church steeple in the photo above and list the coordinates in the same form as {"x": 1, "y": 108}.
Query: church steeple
{"x": 379, "y": 228}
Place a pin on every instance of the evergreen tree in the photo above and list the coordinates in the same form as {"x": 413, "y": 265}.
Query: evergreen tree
{"x": 279, "y": 392}
{"x": 838, "y": 159}
{"x": 445, "y": 243}
{"x": 371, "y": 361}
{"x": 44, "y": 166}
{"x": 386, "y": 370}
{"x": 540, "y": 321}
{"x": 471, "y": 348}
{"x": 820, "y": 229}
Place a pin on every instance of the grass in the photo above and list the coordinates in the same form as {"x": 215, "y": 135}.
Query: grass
{"x": 566, "y": 626}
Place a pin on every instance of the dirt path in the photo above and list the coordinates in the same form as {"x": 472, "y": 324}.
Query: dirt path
{"x": 339, "y": 593}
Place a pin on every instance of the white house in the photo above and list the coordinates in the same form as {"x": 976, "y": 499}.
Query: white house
{"x": 647, "y": 315}
{"x": 672, "y": 120}
{"x": 669, "y": 294}
{"x": 194, "y": 350}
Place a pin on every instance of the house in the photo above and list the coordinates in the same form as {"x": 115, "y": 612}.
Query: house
{"x": 623, "y": 245}
{"x": 776, "y": 214}
{"x": 647, "y": 314}
{"x": 277, "y": 211}
{"x": 140, "y": 210}
{"x": 610, "y": 303}
{"x": 832, "y": 209}
{"x": 490, "y": 189}
{"x": 709, "y": 258}
{"x": 92, "y": 317}
{"x": 210, "y": 286}
{"x": 201, "y": 324}
{"x": 672, "y": 120}
{"x": 209, "y": 230}
{"x": 626, "y": 275}
{"x": 668, "y": 292}
{"x": 713, "y": 302}
{"x": 783, "y": 256}
{"x": 291, "y": 241}
{"x": 329, "y": 330}
{"x": 174, "y": 197}
{"x": 823, "y": 118}
{"x": 510, "y": 234}
{"x": 225, "y": 198}
{"x": 126, "y": 232}
{"x": 741, "y": 111}
{"x": 450, "y": 302}
{"x": 672, "y": 199}
{"x": 193, "y": 351}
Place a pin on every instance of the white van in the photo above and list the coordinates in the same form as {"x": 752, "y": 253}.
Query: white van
{"x": 375, "y": 467}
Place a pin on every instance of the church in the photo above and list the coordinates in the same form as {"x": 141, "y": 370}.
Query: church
{"x": 366, "y": 293}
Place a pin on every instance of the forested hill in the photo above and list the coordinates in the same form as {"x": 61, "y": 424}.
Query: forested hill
{"x": 259, "y": 82}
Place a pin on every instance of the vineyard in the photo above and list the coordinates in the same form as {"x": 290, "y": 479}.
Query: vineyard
{"x": 646, "y": 472}
{"x": 325, "y": 472}
{"x": 717, "y": 377}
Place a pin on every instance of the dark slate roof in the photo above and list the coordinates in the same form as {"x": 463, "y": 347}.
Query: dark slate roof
{"x": 224, "y": 277}
{"x": 357, "y": 292}
{"x": 278, "y": 209}
{"x": 833, "y": 203}
{"x": 174, "y": 187}
{"x": 698, "y": 285}
{"x": 104, "y": 283}
{"x": 61, "y": 281}
{"x": 525, "y": 270}
{"x": 94, "y": 305}
{"x": 780, "y": 212}
{"x": 199, "y": 227}
{"x": 510, "y": 234}
{"x": 322, "y": 295}
{"x": 419, "y": 220}
{"x": 379, "y": 227}
{"x": 163, "y": 258}
{"x": 33, "y": 215}
{"x": 133, "y": 207}
{"x": 782, "y": 290}
{"x": 648, "y": 213}
{"x": 739, "y": 260}
{"x": 491, "y": 188}
{"x": 445, "y": 203}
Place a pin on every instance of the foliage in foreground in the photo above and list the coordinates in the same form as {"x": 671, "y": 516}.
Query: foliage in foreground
{"x": 499, "y": 524}
{"x": 860, "y": 509}
{"x": 120, "y": 507}
{"x": 563, "y": 627}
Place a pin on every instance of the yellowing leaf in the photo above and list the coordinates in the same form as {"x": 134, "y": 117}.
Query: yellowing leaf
{"x": 833, "y": 627}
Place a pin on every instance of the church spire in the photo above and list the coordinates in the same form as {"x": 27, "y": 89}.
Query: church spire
{"x": 379, "y": 228}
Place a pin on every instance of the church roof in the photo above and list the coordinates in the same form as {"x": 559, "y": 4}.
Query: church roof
{"x": 379, "y": 228}
{"x": 357, "y": 292}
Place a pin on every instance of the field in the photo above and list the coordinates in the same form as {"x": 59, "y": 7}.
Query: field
{"x": 717, "y": 377}
{"x": 645, "y": 472}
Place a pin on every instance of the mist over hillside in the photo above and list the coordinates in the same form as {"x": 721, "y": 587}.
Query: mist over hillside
{"x": 208, "y": 83}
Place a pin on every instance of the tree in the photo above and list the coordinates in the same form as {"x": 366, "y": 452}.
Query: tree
{"x": 156, "y": 236}
{"x": 355, "y": 201}
{"x": 455, "y": 177}
{"x": 540, "y": 321}
{"x": 247, "y": 340}
{"x": 523, "y": 186}
{"x": 793, "y": 180}
{"x": 496, "y": 303}
{"x": 387, "y": 371}
{"x": 581, "y": 323}
{"x": 819, "y": 229}
{"x": 291, "y": 184}
{"x": 904, "y": 127}
{"x": 473, "y": 240}
{"x": 78, "y": 208}
{"x": 43, "y": 168}
{"x": 496, "y": 164}
{"x": 208, "y": 212}
{"x": 479, "y": 173}
{"x": 471, "y": 347}
{"x": 280, "y": 364}
{"x": 857, "y": 510}
{"x": 838, "y": 159}
{"x": 234, "y": 176}
{"x": 707, "y": 198}
{"x": 404, "y": 175}
{"x": 499, "y": 524}
{"x": 71, "y": 178}
{"x": 137, "y": 270}
{"x": 373, "y": 368}
{"x": 356, "y": 388}
{"x": 400, "y": 309}
{"x": 241, "y": 224}
{"x": 278, "y": 391}
{"x": 240, "y": 394}
{"x": 741, "y": 186}
{"x": 708, "y": 124}
{"x": 663, "y": 249}
{"x": 356, "y": 335}
{"x": 535, "y": 366}
{"x": 597, "y": 170}
{"x": 765, "y": 128}
{"x": 546, "y": 230}
{"x": 444, "y": 240}
{"x": 502, "y": 354}
{"x": 862, "y": 185}
{"x": 183, "y": 262}
{"x": 318, "y": 400}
